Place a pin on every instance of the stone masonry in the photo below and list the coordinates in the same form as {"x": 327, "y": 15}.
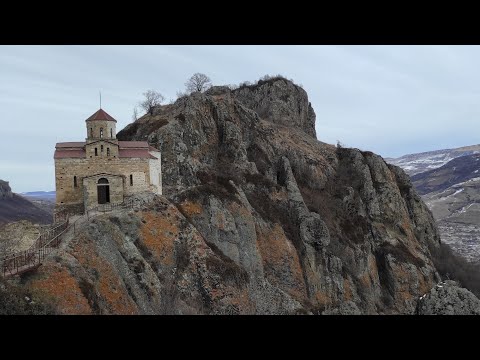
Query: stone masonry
{"x": 102, "y": 169}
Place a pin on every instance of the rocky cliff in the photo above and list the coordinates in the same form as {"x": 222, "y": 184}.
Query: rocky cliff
{"x": 258, "y": 217}
{"x": 448, "y": 298}
{"x": 5, "y": 190}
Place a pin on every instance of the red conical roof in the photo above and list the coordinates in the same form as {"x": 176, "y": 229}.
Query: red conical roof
{"x": 101, "y": 115}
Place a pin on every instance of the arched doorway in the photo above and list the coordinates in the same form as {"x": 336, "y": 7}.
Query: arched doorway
{"x": 103, "y": 191}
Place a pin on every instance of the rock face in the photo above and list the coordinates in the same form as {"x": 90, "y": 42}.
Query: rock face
{"x": 258, "y": 217}
{"x": 447, "y": 298}
{"x": 279, "y": 101}
{"x": 5, "y": 190}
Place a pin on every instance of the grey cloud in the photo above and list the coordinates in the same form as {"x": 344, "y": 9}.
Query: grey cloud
{"x": 389, "y": 99}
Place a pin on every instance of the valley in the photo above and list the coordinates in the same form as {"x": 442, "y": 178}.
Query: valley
{"x": 452, "y": 192}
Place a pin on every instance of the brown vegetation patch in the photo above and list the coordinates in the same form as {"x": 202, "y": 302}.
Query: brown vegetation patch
{"x": 190, "y": 208}
{"x": 158, "y": 233}
{"x": 280, "y": 260}
{"x": 347, "y": 290}
{"x": 57, "y": 283}
{"x": 108, "y": 284}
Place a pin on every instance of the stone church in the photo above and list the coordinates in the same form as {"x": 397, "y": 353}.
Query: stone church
{"x": 103, "y": 170}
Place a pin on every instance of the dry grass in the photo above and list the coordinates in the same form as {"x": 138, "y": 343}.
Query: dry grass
{"x": 57, "y": 283}
{"x": 190, "y": 208}
{"x": 109, "y": 286}
{"x": 280, "y": 260}
{"x": 158, "y": 233}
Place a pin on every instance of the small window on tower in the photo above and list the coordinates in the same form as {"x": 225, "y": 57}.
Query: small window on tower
{"x": 111, "y": 133}
{"x": 91, "y": 132}
{"x": 75, "y": 181}
{"x": 108, "y": 151}
{"x": 101, "y": 133}
{"x": 96, "y": 152}
{"x": 131, "y": 180}
{"x": 101, "y": 148}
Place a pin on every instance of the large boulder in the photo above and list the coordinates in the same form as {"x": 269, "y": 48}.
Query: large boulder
{"x": 448, "y": 298}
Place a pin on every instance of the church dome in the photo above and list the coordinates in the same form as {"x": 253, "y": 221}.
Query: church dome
{"x": 101, "y": 115}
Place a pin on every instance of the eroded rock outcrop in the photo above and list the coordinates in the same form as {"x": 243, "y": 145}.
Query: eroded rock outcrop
{"x": 5, "y": 190}
{"x": 448, "y": 298}
{"x": 258, "y": 217}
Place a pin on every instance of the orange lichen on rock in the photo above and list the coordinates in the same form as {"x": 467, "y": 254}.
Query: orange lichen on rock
{"x": 365, "y": 280}
{"x": 58, "y": 284}
{"x": 158, "y": 234}
{"x": 370, "y": 276}
{"x": 347, "y": 290}
{"x": 407, "y": 227}
{"x": 238, "y": 210}
{"x": 190, "y": 208}
{"x": 322, "y": 299}
{"x": 403, "y": 291}
{"x": 243, "y": 302}
{"x": 109, "y": 286}
{"x": 280, "y": 260}
{"x": 220, "y": 220}
{"x": 424, "y": 284}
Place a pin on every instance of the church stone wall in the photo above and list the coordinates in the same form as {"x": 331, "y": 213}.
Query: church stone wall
{"x": 115, "y": 183}
{"x": 66, "y": 169}
{"x": 156, "y": 172}
{"x": 101, "y": 124}
{"x": 113, "y": 146}
{"x": 126, "y": 176}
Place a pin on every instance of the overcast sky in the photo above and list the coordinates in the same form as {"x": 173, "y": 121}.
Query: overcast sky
{"x": 392, "y": 100}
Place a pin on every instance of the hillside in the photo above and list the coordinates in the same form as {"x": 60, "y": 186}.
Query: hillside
{"x": 14, "y": 207}
{"x": 43, "y": 199}
{"x": 418, "y": 163}
{"x": 452, "y": 192}
{"x": 258, "y": 216}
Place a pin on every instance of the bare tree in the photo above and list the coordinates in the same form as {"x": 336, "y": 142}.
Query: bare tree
{"x": 152, "y": 99}
{"x": 198, "y": 82}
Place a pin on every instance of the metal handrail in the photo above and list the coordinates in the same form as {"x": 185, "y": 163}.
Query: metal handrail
{"x": 45, "y": 243}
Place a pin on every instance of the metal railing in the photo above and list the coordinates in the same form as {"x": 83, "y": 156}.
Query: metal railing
{"x": 49, "y": 240}
{"x": 103, "y": 208}
{"x": 21, "y": 261}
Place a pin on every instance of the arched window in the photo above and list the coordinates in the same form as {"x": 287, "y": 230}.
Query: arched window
{"x": 131, "y": 180}
{"x": 111, "y": 133}
{"x": 108, "y": 151}
{"x": 101, "y": 148}
{"x": 75, "y": 181}
{"x": 91, "y": 132}
{"x": 96, "y": 152}
{"x": 102, "y": 181}
{"x": 101, "y": 133}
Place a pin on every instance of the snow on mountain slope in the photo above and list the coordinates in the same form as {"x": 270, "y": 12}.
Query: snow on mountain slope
{"x": 421, "y": 162}
{"x": 452, "y": 192}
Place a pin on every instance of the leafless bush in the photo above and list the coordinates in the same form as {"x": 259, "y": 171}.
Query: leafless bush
{"x": 152, "y": 100}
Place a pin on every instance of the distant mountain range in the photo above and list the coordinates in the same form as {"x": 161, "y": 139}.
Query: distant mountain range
{"x": 451, "y": 190}
{"x": 421, "y": 162}
{"x": 14, "y": 207}
{"x": 40, "y": 194}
